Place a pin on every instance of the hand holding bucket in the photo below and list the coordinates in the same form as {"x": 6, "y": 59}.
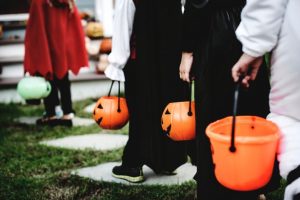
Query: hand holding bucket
{"x": 244, "y": 150}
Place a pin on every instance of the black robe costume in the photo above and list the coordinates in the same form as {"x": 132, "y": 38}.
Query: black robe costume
{"x": 152, "y": 81}
{"x": 209, "y": 32}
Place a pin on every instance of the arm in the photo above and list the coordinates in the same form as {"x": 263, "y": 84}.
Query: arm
{"x": 122, "y": 29}
{"x": 194, "y": 20}
{"x": 260, "y": 25}
{"x": 258, "y": 32}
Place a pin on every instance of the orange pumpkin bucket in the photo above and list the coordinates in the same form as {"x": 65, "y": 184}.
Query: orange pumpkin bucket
{"x": 178, "y": 119}
{"x": 111, "y": 112}
{"x": 243, "y": 150}
{"x": 250, "y": 166}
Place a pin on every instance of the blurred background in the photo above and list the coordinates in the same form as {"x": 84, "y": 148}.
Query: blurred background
{"x": 97, "y": 20}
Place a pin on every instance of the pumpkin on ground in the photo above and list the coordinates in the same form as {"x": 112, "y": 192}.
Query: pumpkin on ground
{"x": 105, "y": 46}
{"x": 94, "y": 30}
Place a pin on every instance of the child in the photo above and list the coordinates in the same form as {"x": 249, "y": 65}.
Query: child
{"x": 54, "y": 44}
{"x": 146, "y": 44}
{"x": 211, "y": 45}
{"x": 273, "y": 26}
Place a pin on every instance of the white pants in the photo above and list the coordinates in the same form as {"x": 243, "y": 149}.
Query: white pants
{"x": 289, "y": 150}
{"x": 289, "y": 147}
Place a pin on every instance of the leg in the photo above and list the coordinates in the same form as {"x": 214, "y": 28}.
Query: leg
{"x": 50, "y": 102}
{"x": 131, "y": 168}
{"x": 289, "y": 149}
{"x": 64, "y": 87}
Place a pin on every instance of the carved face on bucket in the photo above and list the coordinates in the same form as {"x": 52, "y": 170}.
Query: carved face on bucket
{"x": 108, "y": 115}
{"x": 177, "y": 122}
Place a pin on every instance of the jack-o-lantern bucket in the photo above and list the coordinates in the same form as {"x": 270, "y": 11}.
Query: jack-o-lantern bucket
{"x": 243, "y": 150}
{"x": 111, "y": 112}
{"x": 178, "y": 120}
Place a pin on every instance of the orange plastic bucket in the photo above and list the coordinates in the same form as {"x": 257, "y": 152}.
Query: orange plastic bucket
{"x": 250, "y": 166}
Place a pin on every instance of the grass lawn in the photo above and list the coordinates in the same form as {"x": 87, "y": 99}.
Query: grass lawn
{"x": 32, "y": 171}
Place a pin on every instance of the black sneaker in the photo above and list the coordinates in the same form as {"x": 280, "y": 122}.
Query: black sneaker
{"x": 47, "y": 121}
{"x": 65, "y": 122}
{"x": 133, "y": 175}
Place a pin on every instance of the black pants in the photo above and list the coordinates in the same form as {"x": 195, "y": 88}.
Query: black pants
{"x": 63, "y": 86}
{"x": 146, "y": 99}
{"x": 132, "y": 155}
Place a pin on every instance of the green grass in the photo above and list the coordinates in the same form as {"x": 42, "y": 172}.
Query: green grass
{"x": 32, "y": 171}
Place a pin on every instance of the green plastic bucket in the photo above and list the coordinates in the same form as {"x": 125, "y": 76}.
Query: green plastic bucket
{"x": 33, "y": 88}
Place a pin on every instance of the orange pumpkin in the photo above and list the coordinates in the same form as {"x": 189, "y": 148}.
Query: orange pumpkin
{"x": 105, "y": 46}
{"x": 94, "y": 30}
{"x": 178, "y": 121}
{"x": 1, "y": 31}
{"x": 111, "y": 112}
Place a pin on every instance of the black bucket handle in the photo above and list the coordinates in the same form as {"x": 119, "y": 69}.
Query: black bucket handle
{"x": 119, "y": 93}
{"x": 190, "y": 113}
{"x": 232, "y": 147}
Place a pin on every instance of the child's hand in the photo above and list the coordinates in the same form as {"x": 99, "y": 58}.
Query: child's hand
{"x": 248, "y": 67}
{"x": 71, "y": 5}
{"x": 185, "y": 66}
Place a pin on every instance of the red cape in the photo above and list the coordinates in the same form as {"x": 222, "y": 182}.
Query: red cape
{"x": 54, "y": 41}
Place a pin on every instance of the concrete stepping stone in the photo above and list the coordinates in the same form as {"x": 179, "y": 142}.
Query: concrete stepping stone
{"x": 77, "y": 121}
{"x": 100, "y": 141}
{"x": 90, "y": 108}
{"x": 102, "y": 172}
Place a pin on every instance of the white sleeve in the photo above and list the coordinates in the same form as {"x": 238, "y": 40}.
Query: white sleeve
{"x": 122, "y": 29}
{"x": 260, "y": 25}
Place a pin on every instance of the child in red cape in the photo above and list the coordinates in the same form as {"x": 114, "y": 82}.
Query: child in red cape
{"x": 54, "y": 44}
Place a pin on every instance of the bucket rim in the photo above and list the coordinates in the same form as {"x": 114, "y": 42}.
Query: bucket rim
{"x": 111, "y": 97}
{"x": 243, "y": 139}
{"x": 176, "y": 102}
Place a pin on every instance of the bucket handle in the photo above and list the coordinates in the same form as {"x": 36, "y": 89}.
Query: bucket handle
{"x": 119, "y": 93}
{"x": 188, "y": 95}
{"x": 190, "y": 113}
{"x": 232, "y": 147}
